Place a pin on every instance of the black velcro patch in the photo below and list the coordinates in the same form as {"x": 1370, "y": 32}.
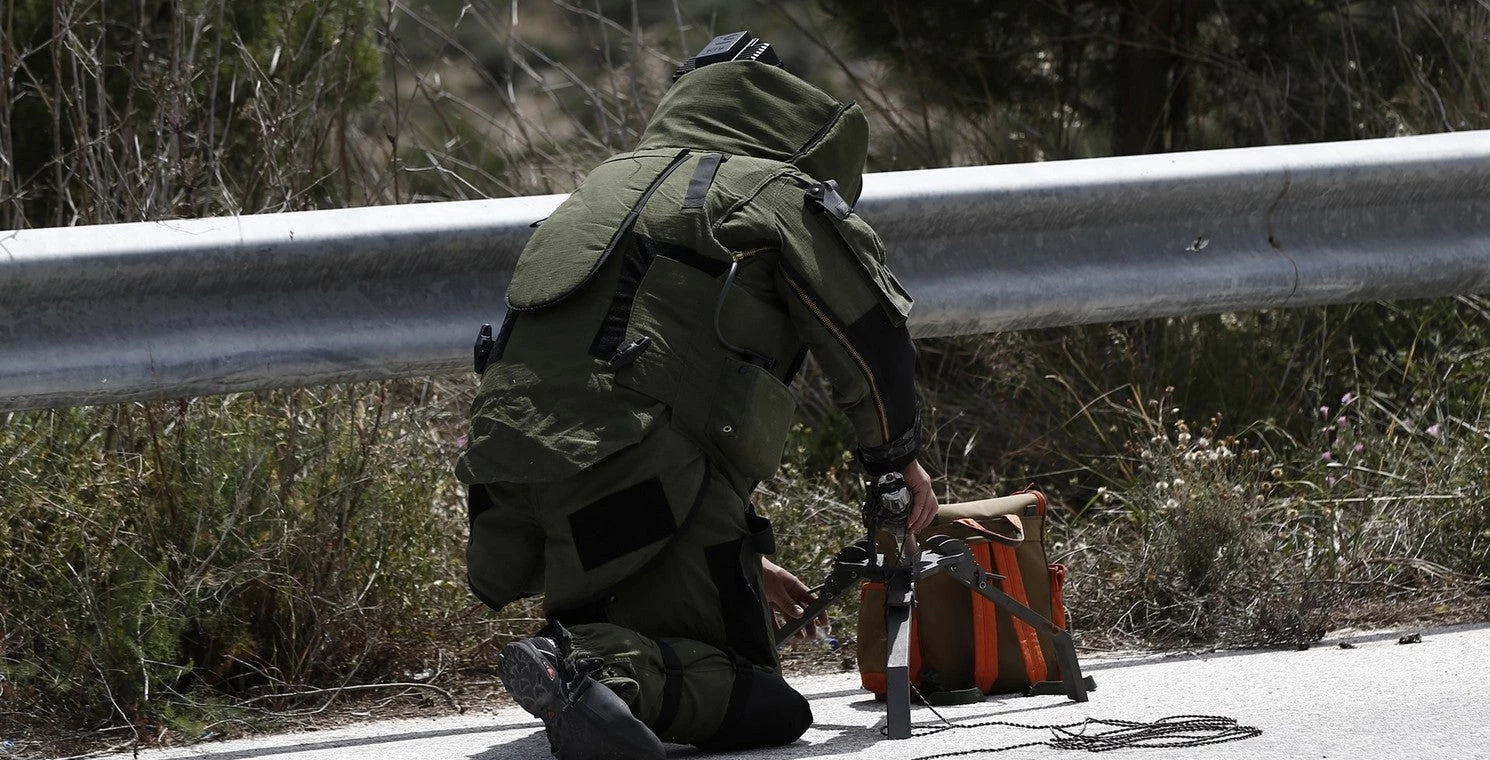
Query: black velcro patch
{"x": 702, "y": 180}
{"x": 616, "y": 525}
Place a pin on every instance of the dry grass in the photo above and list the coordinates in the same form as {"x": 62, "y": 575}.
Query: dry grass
{"x": 199, "y": 568}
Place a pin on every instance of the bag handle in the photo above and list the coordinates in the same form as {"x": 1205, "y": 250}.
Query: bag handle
{"x": 1013, "y": 504}
{"x": 984, "y": 530}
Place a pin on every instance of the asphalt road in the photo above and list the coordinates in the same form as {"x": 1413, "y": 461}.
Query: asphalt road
{"x": 1377, "y": 699}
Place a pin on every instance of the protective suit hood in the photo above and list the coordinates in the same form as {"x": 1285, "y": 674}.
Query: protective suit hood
{"x": 753, "y": 109}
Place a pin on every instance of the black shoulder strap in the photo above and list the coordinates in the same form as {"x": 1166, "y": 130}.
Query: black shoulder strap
{"x": 641, "y": 203}
{"x": 616, "y": 239}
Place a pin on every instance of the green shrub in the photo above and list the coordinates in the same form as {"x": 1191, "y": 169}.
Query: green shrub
{"x": 1373, "y": 493}
{"x": 246, "y": 544}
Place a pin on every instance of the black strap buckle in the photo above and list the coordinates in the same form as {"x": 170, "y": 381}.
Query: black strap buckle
{"x": 826, "y": 197}
{"x": 628, "y": 353}
{"x": 484, "y": 345}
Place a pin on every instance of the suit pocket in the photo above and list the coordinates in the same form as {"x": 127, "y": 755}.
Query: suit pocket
{"x": 751, "y": 418}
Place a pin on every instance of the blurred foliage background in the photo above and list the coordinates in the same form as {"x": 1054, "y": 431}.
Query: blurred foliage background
{"x": 182, "y": 570}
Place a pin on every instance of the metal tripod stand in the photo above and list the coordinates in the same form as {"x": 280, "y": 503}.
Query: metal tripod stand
{"x": 886, "y": 508}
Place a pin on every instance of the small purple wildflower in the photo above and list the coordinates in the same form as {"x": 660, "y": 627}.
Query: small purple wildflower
{"x": 1434, "y": 431}
{"x": 1342, "y": 422}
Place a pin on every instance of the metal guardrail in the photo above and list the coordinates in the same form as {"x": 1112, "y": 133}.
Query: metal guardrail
{"x": 170, "y": 309}
{"x": 1103, "y": 240}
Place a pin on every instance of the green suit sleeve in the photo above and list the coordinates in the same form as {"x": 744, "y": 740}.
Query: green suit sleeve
{"x": 851, "y": 314}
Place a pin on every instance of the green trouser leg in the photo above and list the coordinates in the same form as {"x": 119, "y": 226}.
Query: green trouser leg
{"x": 687, "y": 641}
{"x": 685, "y": 706}
{"x": 688, "y": 692}
{"x": 685, "y": 634}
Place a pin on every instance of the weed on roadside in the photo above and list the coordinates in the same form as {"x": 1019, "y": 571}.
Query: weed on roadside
{"x": 164, "y": 560}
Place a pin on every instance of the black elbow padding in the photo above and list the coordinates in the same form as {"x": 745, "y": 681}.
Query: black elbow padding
{"x": 891, "y": 356}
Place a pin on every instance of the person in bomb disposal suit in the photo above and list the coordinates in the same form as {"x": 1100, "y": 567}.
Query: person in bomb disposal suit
{"x": 636, "y": 393}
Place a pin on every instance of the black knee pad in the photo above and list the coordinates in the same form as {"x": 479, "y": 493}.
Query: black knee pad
{"x": 763, "y": 712}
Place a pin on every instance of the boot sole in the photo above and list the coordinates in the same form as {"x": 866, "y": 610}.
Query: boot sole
{"x": 531, "y": 680}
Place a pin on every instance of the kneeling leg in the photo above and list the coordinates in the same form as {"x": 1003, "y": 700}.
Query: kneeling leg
{"x": 689, "y": 692}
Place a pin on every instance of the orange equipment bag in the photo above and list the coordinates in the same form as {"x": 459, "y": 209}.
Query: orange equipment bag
{"x": 962, "y": 646}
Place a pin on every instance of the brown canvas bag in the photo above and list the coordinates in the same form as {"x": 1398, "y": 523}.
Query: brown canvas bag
{"x": 959, "y": 640}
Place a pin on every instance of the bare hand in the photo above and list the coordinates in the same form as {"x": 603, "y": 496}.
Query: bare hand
{"x": 789, "y": 597}
{"x": 924, "y": 507}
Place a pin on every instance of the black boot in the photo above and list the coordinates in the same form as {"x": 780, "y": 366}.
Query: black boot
{"x": 584, "y": 719}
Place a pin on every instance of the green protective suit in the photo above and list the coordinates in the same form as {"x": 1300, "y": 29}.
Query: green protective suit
{"x": 636, "y": 391}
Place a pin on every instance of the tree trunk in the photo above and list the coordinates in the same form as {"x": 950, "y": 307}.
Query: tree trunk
{"x": 1153, "y": 89}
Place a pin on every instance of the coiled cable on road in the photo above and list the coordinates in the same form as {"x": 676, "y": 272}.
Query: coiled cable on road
{"x": 1172, "y": 732}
